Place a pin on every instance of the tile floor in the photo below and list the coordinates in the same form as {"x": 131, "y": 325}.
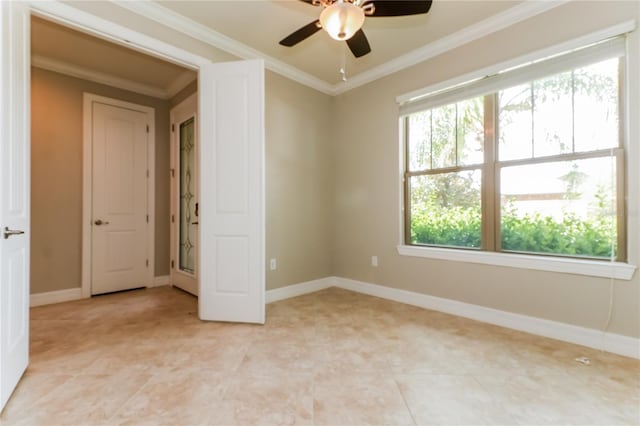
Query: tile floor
{"x": 328, "y": 358}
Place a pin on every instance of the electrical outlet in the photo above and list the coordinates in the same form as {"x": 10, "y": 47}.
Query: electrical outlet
{"x": 273, "y": 265}
{"x": 374, "y": 260}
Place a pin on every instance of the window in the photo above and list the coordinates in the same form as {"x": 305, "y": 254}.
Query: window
{"x": 530, "y": 160}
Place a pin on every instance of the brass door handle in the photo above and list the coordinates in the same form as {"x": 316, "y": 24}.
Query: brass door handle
{"x": 10, "y": 232}
{"x": 101, "y": 222}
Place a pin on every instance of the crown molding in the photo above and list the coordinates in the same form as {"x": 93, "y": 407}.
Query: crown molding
{"x": 182, "y": 81}
{"x": 187, "y": 26}
{"x": 497, "y": 22}
{"x": 61, "y": 67}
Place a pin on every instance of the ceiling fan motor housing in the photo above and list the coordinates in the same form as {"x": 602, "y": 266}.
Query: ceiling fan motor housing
{"x": 342, "y": 19}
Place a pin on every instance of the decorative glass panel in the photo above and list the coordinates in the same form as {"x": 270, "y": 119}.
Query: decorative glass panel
{"x": 187, "y": 198}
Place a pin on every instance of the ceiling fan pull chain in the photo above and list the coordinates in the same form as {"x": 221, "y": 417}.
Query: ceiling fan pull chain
{"x": 343, "y": 68}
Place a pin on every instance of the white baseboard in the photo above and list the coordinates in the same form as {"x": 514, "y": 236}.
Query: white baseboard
{"x": 298, "y": 289}
{"x": 160, "y": 281}
{"x": 39, "y": 299}
{"x": 615, "y": 343}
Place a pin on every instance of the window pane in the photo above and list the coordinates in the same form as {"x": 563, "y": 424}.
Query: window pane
{"x": 553, "y": 115}
{"x": 515, "y": 123}
{"x": 564, "y": 207}
{"x": 596, "y": 106}
{"x": 445, "y": 209}
{"x": 443, "y": 136}
{"x": 470, "y": 131}
{"x": 420, "y": 141}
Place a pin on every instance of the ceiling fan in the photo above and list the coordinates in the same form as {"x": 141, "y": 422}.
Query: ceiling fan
{"x": 343, "y": 19}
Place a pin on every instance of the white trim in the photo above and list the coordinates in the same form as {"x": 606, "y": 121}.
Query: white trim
{"x": 160, "y": 281}
{"x": 585, "y": 40}
{"x": 591, "y": 268}
{"x": 48, "y": 298}
{"x": 87, "y": 184}
{"x": 205, "y": 34}
{"x": 298, "y": 289}
{"x": 65, "y": 68}
{"x": 180, "y": 23}
{"x": 615, "y": 343}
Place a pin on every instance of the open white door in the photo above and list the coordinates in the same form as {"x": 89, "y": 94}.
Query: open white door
{"x": 231, "y": 258}
{"x": 14, "y": 195}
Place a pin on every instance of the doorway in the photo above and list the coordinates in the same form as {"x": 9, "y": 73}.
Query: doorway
{"x": 63, "y": 214}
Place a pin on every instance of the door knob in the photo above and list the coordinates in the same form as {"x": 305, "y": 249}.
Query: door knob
{"x": 9, "y": 232}
{"x": 100, "y": 222}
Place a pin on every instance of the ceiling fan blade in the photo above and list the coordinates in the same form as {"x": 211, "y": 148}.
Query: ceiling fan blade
{"x": 301, "y": 34}
{"x": 399, "y": 7}
{"x": 359, "y": 44}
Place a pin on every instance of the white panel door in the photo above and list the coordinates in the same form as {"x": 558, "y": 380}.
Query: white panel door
{"x": 14, "y": 195}
{"x": 231, "y": 258}
{"x": 119, "y": 230}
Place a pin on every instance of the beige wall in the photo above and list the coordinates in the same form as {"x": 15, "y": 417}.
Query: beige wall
{"x": 56, "y": 177}
{"x": 299, "y": 180}
{"x": 368, "y": 193}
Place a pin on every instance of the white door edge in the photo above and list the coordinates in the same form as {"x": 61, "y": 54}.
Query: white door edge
{"x": 87, "y": 193}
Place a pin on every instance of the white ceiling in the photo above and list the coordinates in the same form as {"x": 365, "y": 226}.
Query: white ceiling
{"x": 253, "y": 28}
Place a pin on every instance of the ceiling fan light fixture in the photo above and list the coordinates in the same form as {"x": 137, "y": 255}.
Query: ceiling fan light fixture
{"x": 342, "y": 19}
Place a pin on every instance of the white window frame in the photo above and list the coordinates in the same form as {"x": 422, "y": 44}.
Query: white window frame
{"x": 438, "y": 94}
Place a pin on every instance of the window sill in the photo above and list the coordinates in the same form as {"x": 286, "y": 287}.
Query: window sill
{"x": 617, "y": 270}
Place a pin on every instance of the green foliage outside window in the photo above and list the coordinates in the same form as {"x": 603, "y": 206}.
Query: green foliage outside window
{"x": 461, "y": 227}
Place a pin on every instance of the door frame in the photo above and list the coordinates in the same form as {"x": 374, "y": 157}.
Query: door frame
{"x": 87, "y": 185}
{"x": 77, "y": 19}
{"x": 188, "y": 104}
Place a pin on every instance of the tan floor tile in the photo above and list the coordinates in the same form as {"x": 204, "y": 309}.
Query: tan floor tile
{"x": 276, "y": 358}
{"x": 327, "y": 358}
{"x": 283, "y": 400}
{"x": 552, "y": 400}
{"x": 450, "y": 400}
{"x": 84, "y": 399}
{"x": 182, "y": 397}
{"x": 32, "y": 387}
{"x": 359, "y": 400}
